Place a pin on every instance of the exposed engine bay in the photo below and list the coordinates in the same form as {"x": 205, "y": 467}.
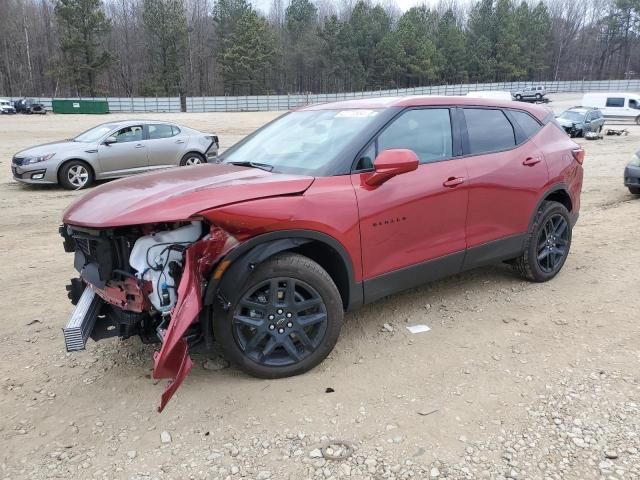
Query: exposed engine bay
{"x": 144, "y": 280}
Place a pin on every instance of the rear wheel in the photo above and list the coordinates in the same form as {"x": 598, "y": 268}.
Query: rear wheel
{"x": 547, "y": 244}
{"x": 638, "y": 120}
{"x": 191, "y": 159}
{"x": 634, "y": 190}
{"x": 284, "y": 321}
{"x": 518, "y": 96}
{"x": 538, "y": 96}
{"x": 75, "y": 175}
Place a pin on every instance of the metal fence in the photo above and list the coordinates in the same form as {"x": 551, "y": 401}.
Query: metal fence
{"x": 255, "y": 103}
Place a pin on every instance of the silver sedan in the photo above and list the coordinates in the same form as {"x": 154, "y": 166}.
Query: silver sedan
{"x": 112, "y": 150}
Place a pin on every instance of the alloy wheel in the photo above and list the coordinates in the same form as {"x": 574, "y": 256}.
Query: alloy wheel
{"x": 280, "y": 321}
{"x": 553, "y": 242}
{"x": 193, "y": 161}
{"x": 78, "y": 176}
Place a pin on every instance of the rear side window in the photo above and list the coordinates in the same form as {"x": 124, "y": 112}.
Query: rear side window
{"x": 488, "y": 130}
{"x": 175, "y": 130}
{"x": 615, "y": 102}
{"x": 160, "y": 131}
{"x": 527, "y": 123}
{"x": 427, "y": 132}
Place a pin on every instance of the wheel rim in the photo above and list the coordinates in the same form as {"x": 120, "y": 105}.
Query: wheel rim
{"x": 78, "y": 176}
{"x": 280, "y": 322}
{"x": 553, "y": 243}
{"x": 193, "y": 161}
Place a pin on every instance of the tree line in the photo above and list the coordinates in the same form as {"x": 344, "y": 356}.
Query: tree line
{"x": 207, "y": 47}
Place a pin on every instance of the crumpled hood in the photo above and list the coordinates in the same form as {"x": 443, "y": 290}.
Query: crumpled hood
{"x": 177, "y": 194}
{"x": 54, "y": 147}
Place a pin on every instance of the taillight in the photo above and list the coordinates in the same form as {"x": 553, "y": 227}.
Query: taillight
{"x": 578, "y": 154}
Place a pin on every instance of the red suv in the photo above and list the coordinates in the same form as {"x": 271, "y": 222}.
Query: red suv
{"x": 319, "y": 212}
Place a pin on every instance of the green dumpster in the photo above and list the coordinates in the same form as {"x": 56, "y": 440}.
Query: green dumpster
{"x": 80, "y": 106}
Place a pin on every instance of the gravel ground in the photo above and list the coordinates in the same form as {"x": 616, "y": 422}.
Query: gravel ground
{"x": 514, "y": 380}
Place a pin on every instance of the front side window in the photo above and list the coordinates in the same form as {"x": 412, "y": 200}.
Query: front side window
{"x": 305, "y": 142}
{"x": 160, "y": 131}
{"x": 427, "y": 132}
{"x": 129, "y": 134}
{"x": 633, "y": 103}
{"x": 488, "y": 131}
{"x": 615, "y": 102}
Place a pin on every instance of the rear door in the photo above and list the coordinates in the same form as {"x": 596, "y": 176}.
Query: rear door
{"x": 416, "y": 218}
{"x": 165, "y": 145}
{"x": 506, "y": 174}
{"x": 127, "y": 156}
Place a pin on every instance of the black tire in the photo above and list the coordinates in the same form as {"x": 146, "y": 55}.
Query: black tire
{"x": 192, "y": 158}
{"x": 518, "y": 97}
{"x": 634, "y": 190}
{"x": 538, "y": 96}
{"x": 65, "y": 175}
{"x": 638, "y": 120}
{"x": 229, "y": 326}
{"x": 528, "y": 263}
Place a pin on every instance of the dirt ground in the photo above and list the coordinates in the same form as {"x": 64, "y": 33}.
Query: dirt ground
{"x": 514, "y": 380}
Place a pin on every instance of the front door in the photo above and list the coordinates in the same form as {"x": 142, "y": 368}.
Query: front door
{"x": 125, "y": 157}
{"x": 413, "y": 226}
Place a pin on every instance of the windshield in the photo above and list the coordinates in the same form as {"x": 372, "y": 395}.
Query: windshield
{"x": 301, "y": 142}
{"x": 95, "y": 134}
{"x": 572, "y": 116}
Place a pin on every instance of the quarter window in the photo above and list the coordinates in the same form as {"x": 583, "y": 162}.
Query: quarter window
{"x": 160, "y": 131}
{"x": 488, "y": 130}
{"x": 634, "y": 104}
{"x": 425, "y": 131}
{"x": 615, "y": 102}
{"x": 528, "y": 125}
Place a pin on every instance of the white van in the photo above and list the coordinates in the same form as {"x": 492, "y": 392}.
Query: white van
{"x": 616, "y": 105}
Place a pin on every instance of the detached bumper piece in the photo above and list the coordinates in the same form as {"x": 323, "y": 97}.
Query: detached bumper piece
{"x": 82, "y": 320}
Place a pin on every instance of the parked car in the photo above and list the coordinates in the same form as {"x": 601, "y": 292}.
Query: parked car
{"x": 6, "y": 107}
{"x": 321, "y": 211}
{"x": 579, "y": 121}
{"x": 532, "y": 92}
{"x": 632, "y": 174}
{"x": 111, "y": 150}
{"x": 624, "y": 106}
{"x": 29, "y": 106}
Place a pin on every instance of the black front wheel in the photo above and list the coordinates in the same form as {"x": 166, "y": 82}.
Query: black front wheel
{"x": 284, "y": 321}
{"x": 547, "y": 244}
{"x": 634, "y": 190}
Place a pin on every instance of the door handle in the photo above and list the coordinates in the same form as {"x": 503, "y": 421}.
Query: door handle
{"x": 453, "y": 182}
{"x": 139, "y": 146}
{"x": 179, "y": 141}
{"x": 531, "y": 161}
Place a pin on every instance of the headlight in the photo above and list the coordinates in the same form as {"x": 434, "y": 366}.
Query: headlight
{"x": 38, "y": 159}
{"x": 635, "y": 160}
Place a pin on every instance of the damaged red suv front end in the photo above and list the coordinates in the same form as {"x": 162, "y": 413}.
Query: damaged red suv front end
{"x": 145, "y": 257}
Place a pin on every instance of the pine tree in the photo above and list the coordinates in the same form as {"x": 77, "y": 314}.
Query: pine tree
{"x": 248, "y": 55}
{"x": 82, "y": 25}
{"x": 165, "y": 27}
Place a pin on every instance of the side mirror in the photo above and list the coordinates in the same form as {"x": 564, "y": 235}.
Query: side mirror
{"x": 390, "y": 163}
{"x": 110, "y": 140}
